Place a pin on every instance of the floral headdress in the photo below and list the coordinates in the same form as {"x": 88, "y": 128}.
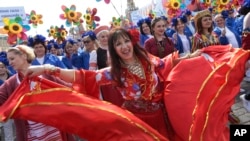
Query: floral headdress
{"x": 36, "y": 40}
{"x": 245, "y": 8}
{"x": 71, "y": 41}
{"x": 175, "y": 20}
{"x": 135, "y": 35}
{"x": 3, "y": 58}
{"x": 90, "y": 34}
{"x": 144, "y": 20}
{"x": 51, "y": 44}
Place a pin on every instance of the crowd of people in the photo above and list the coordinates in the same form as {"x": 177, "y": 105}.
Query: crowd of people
{"x": 126, "y": 66}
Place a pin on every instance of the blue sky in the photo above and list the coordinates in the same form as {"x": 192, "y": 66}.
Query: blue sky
{"x": 51, "y": 9}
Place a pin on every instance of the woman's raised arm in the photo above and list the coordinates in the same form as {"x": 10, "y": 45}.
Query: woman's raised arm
{"x": 65, "y": 74}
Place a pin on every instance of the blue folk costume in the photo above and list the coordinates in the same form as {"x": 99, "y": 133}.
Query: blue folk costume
{"x": 4, "y": 61}
{"x": 85, "y": 55}
{"x": 67, "y": 58}
{"x": 178, "y": 43}
{"x": 48, "y": 58}
{"x": 143, "y": 36}
{"x": 187, "y": 29}
{"x": 223, "y": 39}
{"x": 52, "y": 44}
{"x": 245, "y": 8}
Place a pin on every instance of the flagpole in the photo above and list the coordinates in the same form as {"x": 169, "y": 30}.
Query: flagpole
{"x": 115, "y": 8}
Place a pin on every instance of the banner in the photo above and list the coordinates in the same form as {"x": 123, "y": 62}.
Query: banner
{"x": 12, "y": 12}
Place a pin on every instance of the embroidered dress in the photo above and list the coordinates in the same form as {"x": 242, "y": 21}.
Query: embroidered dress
{"x": 142, "y": 94}
{"x": 201, "y": 41}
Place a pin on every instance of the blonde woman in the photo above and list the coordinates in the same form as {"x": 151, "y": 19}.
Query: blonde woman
{"x": 20, "y": 58}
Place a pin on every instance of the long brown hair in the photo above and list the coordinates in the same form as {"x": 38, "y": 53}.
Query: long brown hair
{"x": 140, "y": 52}
{"x": 199, "y": 27}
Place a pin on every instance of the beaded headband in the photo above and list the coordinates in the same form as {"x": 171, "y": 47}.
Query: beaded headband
{"x": 201, "y": 14}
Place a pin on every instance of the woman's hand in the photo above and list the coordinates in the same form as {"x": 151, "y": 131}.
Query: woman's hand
{"x": 195, "y": 54}
{"x": 35, "y": 71}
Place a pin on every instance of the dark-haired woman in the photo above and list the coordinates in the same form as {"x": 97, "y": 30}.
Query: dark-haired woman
{"x": 134, "y": 72}
{"x": 145, "y": 30}
{"x": 160, "y": 45}
{"x": 181, "y": 39}
{"x": 204, "y": 35}
{"x": 40, "y": 49}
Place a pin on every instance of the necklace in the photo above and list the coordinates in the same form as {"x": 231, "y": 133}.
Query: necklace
{"x": 136, "y": 68}
{"x": 161, "y": 48}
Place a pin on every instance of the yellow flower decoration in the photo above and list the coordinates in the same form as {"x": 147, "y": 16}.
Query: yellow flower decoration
{"x": 12, "y": 27}
{"x": 175, "y": 4}
{"x": 35, "y": 19}
{"x": 71, "y": 16}
{"x": 224, "y": 2}
{"x": 207, "y": 2}
{"x": 87, "y": 18}
{"x": 52, "y": 32}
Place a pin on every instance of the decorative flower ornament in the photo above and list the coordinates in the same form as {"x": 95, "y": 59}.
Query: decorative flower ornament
{"x": 52, "y": 32}
{"x": 173, "y": 7}
{"x": 135, "y": 35}
{"x": 144, "y": 20}
{"x": 235, "y": 4}
{"x": 106, "y": 1}
{"x": 71, "y": 16}
{"x": 221, "y": 5}
{"x": 116, "y": 22}
{"x": 61, "y": 34}
{"x": 152, "y": 14}
{"x": 91, "y": 18}
{"x": 15, "y": 30}
{"x": 35, "y": 19}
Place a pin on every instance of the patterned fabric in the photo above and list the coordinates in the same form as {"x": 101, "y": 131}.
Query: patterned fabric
{"x": 38, "y": 131}
{"x": 201, "y": 41}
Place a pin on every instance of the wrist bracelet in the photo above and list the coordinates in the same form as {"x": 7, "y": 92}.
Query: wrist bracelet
{"x": 51, "y": 70}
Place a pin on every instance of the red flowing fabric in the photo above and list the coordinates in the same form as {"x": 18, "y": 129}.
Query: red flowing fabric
{"x": 72, "y": 112}
{"x": 200, "y": 93}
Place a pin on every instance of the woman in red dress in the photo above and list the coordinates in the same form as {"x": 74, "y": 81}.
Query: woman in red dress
{"x": 136, "y": 74}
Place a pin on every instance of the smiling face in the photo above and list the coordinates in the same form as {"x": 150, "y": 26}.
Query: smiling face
{"x": 103, "y": 38}
{"x": 17, "y": 60}
{"x": 3, "y": 69}
{"x": 69, "y": 48}
{"x": 159, "y": 27}
{"x": 39, "y": 50}
{"x": 88, "y": 43}
{"x": 220, "y": 22}
{"x": 180, "y": 26}
{"x": 124, "y": 48}
{"x": 146, "y": 29}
